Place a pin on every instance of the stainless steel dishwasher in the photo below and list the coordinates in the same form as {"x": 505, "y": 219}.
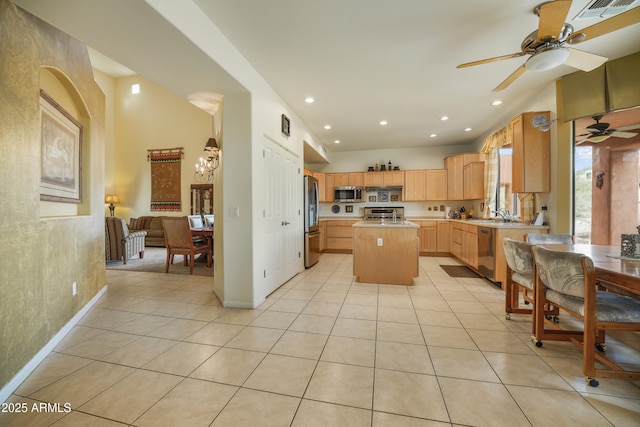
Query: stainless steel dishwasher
{"x": 486, "y": 255}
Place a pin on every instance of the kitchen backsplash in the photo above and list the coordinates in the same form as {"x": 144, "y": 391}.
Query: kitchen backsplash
{"x": 411, "y": 209}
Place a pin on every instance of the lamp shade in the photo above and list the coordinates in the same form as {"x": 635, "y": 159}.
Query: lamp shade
{"x": 547, "y": 59}
{"x": 212, "y": 144}
{"x": 111, "y": 198}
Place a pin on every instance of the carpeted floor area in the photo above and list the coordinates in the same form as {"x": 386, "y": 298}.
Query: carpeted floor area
{"x": 154, "y": 262}
{"x": 459, "y": 271}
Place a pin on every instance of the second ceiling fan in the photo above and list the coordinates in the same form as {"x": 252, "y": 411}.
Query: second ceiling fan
{"x": 548, "y": 44}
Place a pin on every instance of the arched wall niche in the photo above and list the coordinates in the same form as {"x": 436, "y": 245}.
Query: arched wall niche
{"x": 62, "y": 89}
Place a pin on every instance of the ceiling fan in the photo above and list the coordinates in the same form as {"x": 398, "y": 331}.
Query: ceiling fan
{"x": 547, "y": 44}
{"x": 599, "y": 132}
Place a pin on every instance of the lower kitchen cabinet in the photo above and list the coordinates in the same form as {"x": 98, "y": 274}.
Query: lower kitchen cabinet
{"x": 443, "y": 236}
{"x": 323, "y": 235}
{"x": 339, "y": 236}
{"x": 455, "y": 239}
{"x": 428, "y": 236}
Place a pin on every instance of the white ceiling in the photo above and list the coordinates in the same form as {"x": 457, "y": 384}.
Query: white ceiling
{"x": 362, "y": 60}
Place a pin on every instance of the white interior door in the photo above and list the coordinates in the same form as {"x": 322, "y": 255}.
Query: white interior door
{"x": 282, "y": 215}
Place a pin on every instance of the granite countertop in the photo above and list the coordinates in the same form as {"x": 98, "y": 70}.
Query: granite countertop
{"x": 379, "y": 224}
{"x": 499, "y": 224}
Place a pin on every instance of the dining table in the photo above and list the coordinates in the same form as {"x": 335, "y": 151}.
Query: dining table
{"x": 617, "y": 273}
{"x": 207, "y": 233}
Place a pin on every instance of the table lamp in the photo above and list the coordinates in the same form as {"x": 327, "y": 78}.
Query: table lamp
{"x": 112, "y": 199}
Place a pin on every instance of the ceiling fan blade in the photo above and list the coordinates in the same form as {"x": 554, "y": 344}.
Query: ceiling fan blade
{"x": 614, "y": 23}
{"x": 598, "y": 138}
{"x": 629, "y": 127}
{"x": 517, "y": 73}
{"x": 584, "y": 61}
{"x": 619, "y": 134}
{"x": 486, "y": 61}
{"x": 552, "y": 17}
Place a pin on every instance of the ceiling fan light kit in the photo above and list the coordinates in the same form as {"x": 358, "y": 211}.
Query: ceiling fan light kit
{"x": 547, "y": 58}
{"x": 547, "y": 45}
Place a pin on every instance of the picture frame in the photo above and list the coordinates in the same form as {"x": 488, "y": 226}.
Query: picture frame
{"x": 286, "y": 126}
{"x": 60, "y": 153}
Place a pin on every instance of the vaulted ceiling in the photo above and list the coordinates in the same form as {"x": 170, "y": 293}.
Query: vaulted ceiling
{"x": 362, "y": 61}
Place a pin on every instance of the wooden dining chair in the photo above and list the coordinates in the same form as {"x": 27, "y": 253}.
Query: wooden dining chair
{"x": 568, "y": 280}
{"x": 520, "y": 277}
{"x": 178, "y": 240}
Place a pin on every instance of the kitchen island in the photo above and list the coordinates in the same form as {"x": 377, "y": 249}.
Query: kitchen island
{"x": 385, "y": 252}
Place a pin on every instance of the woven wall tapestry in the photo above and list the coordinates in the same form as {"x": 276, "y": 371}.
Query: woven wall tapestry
{"x": 165, "y": 179}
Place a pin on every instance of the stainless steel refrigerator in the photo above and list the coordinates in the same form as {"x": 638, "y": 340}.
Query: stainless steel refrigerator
{"x": 311, "y": 225}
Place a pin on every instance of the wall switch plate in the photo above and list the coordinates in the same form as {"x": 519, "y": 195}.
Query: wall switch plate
{"x": 379, "y": 241}
{"x": 235, "y": 211}
{"x": 74, "y": 288}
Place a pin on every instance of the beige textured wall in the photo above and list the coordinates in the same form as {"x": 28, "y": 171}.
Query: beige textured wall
{"x": 154, "y": 118}
{"x": 41, "y": 257}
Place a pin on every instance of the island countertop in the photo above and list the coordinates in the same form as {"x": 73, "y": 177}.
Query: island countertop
{"x": 385, "y": 224}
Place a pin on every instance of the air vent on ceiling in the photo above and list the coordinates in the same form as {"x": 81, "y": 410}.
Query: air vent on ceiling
{"x": 603, "y": 8}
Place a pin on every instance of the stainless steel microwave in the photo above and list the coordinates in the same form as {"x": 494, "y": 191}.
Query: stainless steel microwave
{"x": 348, "y": 194}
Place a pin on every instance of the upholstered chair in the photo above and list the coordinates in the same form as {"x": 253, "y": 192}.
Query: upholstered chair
{"x": 568, "y": 280}
{"x": 120, "y": 244}
{"x": 520, "y": 276}
{"x": 540, "y": 239}
{"x": 208, "y": 219}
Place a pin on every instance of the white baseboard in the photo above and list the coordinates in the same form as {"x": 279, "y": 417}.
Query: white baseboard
{"x": 27, "y": 369}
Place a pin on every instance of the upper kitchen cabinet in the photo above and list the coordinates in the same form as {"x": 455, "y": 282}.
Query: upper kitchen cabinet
{"x": 436, "y": 187}
{"x": 531, "y": 155}
{"x": 380, "y": 179}
{"x": 455, "y": 173}
{"x": 329, "y": 184}
{"x": 473, "y": 179}
{"x": 321, "y": 186}
{"x": 414, "y": 185}
{"x": 356, "y": 179}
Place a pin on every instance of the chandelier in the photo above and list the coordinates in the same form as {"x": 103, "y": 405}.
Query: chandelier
{"x": 209, "y": 163}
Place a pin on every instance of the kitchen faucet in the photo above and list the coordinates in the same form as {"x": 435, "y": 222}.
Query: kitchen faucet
{"x": 505, "y": 214}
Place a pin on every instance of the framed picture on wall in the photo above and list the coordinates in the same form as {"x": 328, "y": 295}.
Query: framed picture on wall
{"x": 60, "y": 153}
{"x": 286, "y": 126}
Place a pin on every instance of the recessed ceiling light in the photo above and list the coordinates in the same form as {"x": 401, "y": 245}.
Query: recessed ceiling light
{"x": 337, "y": 141}
{"x": 309, "y": 100}
{"x": 327, "y": 127}
{"x": 383, "y": 122}
{"x": 433, "y": 135}
{"x": 467, "y": 129}
{"x": 443, "y": 118}
{"x": 496, "y": 102}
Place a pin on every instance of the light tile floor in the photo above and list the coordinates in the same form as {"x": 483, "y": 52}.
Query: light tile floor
{"x": 323, "y": 350}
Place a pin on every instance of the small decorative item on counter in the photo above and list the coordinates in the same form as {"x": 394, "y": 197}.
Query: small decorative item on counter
{"x": 470, "y": 214}
{"x": 630, "y": 246}
{"x": 396, "y": 168}
{"x": 370, "y": 169}
{"x": 383, "y": 167}
{"x": 377, "y": 167}
{"x": 389, "y": 166}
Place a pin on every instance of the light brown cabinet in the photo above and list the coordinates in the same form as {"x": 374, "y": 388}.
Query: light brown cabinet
{"x": 321, "y": 186}
{"x": 463, "y": 243}
{"x": 414, "y": 185}
{"x": 455, "y": 241}
{"x": 340, "y": 179}
{"x": 329, "y": 185}
{"x": 531, "y": 160}
{"x": 469, "y": 238}
{"x": 339, "y": 236}
{"x": 436, "y": 185}
{"x": 322, "y": 225}
{"x": 443, "y": 236}
{"x": 455, "y": 173}
{"x": 428, "y": 236}
{"x": 379, "y": 179}
{"x": 473, "y": 179}
{"x": 356, "y": 179}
